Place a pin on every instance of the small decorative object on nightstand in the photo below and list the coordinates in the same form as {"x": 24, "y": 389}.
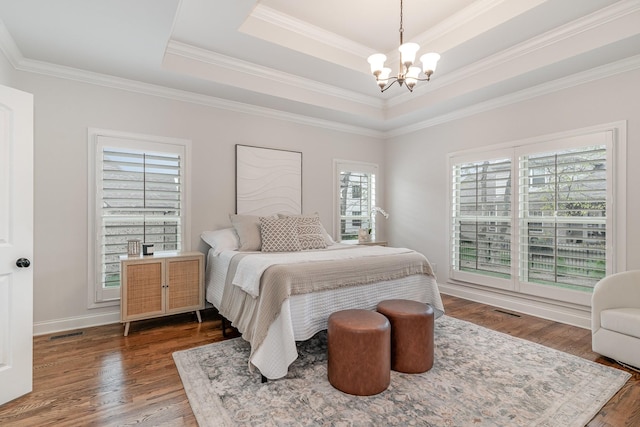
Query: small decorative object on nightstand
{"x": 364, "y": 235}
{"x": 161, "y": 284}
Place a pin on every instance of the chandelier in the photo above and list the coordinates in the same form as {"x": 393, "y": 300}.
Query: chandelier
{"x": 408, "y": 74}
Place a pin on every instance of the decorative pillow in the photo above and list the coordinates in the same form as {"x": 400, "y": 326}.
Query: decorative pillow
{"x": 311, "y": 233}
{"x": 279, "y": 234}
{"x": 221, "y": 240}
{"x": 248, "y": 229}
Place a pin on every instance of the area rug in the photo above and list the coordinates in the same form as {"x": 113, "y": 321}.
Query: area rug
{"x": 480, "y": 378}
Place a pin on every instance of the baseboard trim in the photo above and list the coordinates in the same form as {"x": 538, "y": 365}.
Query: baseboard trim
{"x": 558, "y": 313}
{"x": 70, "y": 323}
{"x": 575, "y": 316}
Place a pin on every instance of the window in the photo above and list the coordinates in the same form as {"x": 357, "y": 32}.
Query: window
{"x": 356, "y": 186}
{"x": 536, "y": 218}
{"x": 482, "y": 217}
{"x": 559, "y": 218}
{"x": 140, "y": 193}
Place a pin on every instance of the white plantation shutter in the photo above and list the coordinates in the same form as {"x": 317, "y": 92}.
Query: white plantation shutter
{"x": 356, "y": 198}
{"x": 141, "y": 199}
{"x": 140, "y": 194}
{"x": 564, "y": 217}
{"x": 481, "y": 212}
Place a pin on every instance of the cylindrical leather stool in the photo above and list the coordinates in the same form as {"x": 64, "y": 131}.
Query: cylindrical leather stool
{"x": 359, "y": 356}
{"x": 411, "y": 334}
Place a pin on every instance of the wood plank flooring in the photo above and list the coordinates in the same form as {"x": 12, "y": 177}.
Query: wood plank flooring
{"x": 100, "y": 378}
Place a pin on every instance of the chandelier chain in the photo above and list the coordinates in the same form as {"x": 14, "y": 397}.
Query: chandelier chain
{"x": 401, "y": 27}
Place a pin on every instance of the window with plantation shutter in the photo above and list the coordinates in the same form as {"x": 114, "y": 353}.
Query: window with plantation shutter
{"x": 140, "y": 188}
{"x": 482, "y": 217}
{"x": 564, "y": 217}
{"x": 356, "y": 183}
{"x": 536, "y": 218}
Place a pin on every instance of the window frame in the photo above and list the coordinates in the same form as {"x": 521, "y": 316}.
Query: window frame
{"x": 616, "y": 207}
{"x": 98, "y": 296}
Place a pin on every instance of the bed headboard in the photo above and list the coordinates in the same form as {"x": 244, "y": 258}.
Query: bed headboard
{"x": 268, "y": 181}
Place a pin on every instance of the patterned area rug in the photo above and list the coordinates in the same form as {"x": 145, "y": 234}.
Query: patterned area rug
{"x": 480, "y": 378}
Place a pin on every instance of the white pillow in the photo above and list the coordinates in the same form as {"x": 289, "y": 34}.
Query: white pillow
{"x": 221, "y": 240}
{"x": 248, "y": 229}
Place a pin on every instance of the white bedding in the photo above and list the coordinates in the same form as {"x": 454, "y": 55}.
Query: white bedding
{"x": 301, "y": 316}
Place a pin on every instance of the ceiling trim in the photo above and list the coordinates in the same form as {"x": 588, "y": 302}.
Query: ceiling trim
{"x": 97, "y": 79}
{"x": 8, "y": 46}
{"x": 604, "y": 16}
{"x": 239, "y": 66}
{"x": 468, "y": 14}
{"x": 581, "y": 25}
{"x": 609, "y": 70}
{"x": 27, "y": 65}
{"x": 297, "y": 26}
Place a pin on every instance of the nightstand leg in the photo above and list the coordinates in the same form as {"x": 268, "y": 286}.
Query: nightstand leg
{"x": 126, "y": 328}
{"x": 198, "y": 314}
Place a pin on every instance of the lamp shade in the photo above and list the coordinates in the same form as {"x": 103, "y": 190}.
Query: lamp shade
{"x": 408, "y": 53}
{"x": 383, "y": 77}
{"x": 377, "y": 62}
{"x": 429, "y": 62}
{"x": 412, "y": 77}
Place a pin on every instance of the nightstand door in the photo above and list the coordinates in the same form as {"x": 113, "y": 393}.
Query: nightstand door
{"x": 144, "y": 290}
{"x": 184, "y": 279}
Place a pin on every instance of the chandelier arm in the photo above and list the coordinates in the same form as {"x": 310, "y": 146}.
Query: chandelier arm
{"x": 428, "y": 78}
{"x": 395, "y": 79}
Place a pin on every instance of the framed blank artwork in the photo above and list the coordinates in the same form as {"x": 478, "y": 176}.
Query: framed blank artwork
{"x": 268, "y": 181}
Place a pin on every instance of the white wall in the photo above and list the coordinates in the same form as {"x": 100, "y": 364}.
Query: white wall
{"x": 418, "y": 179}
{"x": 64, "y": 110}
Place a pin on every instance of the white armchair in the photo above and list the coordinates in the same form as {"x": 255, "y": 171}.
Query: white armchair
{"x": 615, "y": 317}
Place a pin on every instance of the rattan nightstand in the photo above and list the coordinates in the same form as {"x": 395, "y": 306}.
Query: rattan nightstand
{"x": 160, "y": 285}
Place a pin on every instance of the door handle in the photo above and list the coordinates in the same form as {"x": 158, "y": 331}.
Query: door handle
{"x": 23, "y": 262}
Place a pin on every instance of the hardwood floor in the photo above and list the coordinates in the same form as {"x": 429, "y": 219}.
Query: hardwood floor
{"x": 100, "y": 378}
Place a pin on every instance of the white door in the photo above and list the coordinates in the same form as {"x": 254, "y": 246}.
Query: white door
{"x": 16, "y": 243}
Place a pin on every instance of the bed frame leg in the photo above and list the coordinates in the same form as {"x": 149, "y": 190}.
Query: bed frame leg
{"x": 224, "y": 328}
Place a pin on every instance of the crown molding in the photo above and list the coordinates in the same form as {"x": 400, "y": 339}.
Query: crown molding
{"x": 245, "y": 67}
{"x": 603, "y": 16}
{"x": 17, "y": 60}
{"x": 611, "y": 13}
{"x": 468, "y": 14}
{"x": 83, "y": 76}
{"x": 609, "y": 70}
{"x": 305, "y": 29}
{"x": 8, "y": 46}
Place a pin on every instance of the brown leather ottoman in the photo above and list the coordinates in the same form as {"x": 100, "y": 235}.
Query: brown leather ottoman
{"x": 359, "y": 358}
{"x": 411, "y": 334}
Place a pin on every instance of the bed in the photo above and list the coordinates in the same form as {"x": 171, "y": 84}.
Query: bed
{"x": 275, "y": 298}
